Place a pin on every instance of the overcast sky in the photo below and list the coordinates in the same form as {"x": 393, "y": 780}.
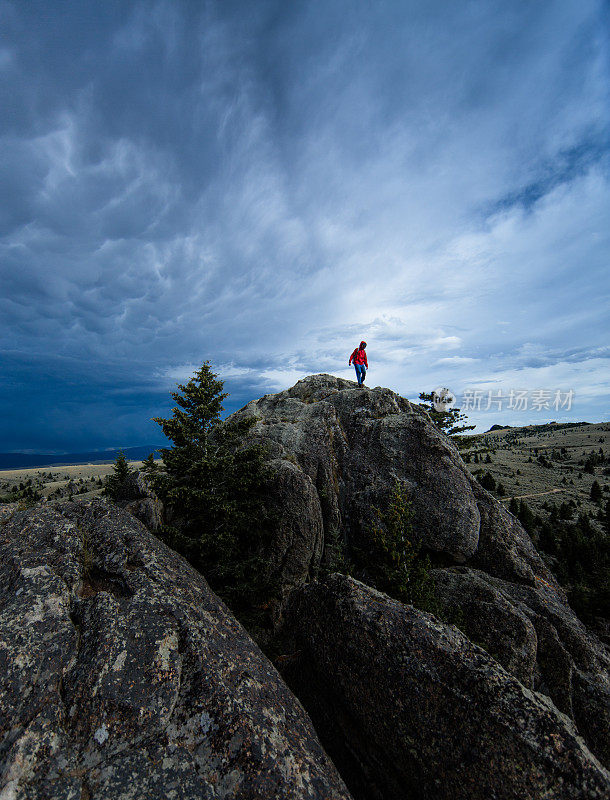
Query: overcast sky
{"x": 263, "y": 184}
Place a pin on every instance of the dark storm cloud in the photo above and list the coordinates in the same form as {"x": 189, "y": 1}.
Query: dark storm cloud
{"x": 262, "y": 183}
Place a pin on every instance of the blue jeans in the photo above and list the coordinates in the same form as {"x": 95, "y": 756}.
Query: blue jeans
{"x": 360, "y": 373}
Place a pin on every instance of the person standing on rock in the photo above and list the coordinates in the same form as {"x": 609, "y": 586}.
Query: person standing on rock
{"x": 360, "y": 362}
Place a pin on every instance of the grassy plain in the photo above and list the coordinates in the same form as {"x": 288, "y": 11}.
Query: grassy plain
{"x": 546, "y": 463}
{"x": 79, "y": 481}
{"x": 515, "y": 455}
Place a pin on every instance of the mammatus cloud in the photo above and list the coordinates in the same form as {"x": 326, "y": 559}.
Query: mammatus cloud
{"x": 265, "y": 185}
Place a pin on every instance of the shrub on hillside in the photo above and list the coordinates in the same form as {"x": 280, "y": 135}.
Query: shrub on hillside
{"x": 488, "y": 482}
{"x": 394, "y": 562}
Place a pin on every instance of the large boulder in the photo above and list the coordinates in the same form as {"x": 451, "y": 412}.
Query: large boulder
{"x": 354, "y": 444}
{"x": 411, "y": 708}
{"x": 534, "y": 635}
{"x": 123, "y": 676}
{"x": 143, "y": 502}
{"x": 340, "y": 451}
{"x": 298, "y": 539}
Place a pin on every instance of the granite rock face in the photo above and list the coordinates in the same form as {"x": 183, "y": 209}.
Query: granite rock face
{"x": 350, "y": 446}
{"x": 144, "y": 503}
{"x": 344, "y": 448}
{"x": 534, "y": 635}
{"x": 298, "y": 538}
{"x": 415, "y": 710}
{"x": 123, "y": 676}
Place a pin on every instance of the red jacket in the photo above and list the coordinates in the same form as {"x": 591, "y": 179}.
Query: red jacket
{"x": 359, "y": 357}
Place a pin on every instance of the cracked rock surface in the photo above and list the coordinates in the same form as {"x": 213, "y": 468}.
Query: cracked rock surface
{"x": 123, "y": 676}
{"x": 417, "y": 711}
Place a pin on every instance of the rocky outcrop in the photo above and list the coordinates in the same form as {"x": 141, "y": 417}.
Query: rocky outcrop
{"x": 414, "y": 710}
{"x": 143, "y": 503}
{"x": 351, "y": 445}
{"x": 531, "y": 632}
{"x": 123, "y": 676}
{"x": 343, "y": 448}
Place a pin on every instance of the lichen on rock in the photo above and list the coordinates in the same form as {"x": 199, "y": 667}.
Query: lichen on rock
{"x": 122, "y": 675}
{"x": 414, "y": 709}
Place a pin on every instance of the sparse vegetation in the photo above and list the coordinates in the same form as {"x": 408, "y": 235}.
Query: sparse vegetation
{"x": 56, "y": 484}
{"x": 26, "y": 492}
{"x": 581, "y": 555}
{"x": 565, "y": 512}
{"x": 335, "y": 557}
{"x": 395, "y": 564}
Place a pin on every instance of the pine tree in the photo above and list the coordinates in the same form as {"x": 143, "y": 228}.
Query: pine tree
{"x": 116, "y": 484}
{"x": 449, "y": 421}
{"x": 149, "y": 465}
{"x": 393, "y": 562}
{"x": 526, "y": 518}
{"x": 488, "y": 482}
{"x": 215, "y": 481}
{"x": 596, "y": 491}
{"x": 547, "y": 540}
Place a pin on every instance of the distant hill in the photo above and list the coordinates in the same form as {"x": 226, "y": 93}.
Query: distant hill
{"x": 545, "y": 426}
{"x": 545, "y": 464}
{"x": 29, "y": 460}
